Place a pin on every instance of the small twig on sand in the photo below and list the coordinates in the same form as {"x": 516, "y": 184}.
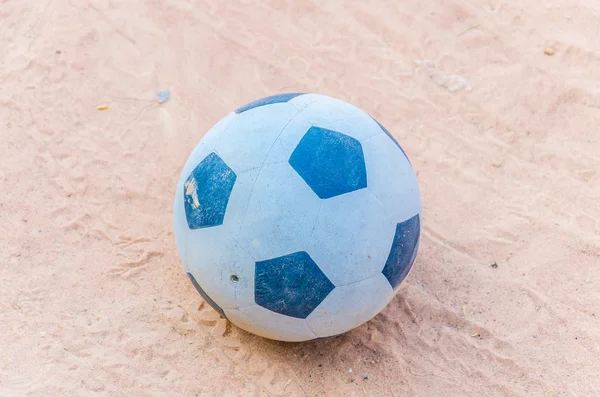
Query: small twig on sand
{"x": 467, "y": 30}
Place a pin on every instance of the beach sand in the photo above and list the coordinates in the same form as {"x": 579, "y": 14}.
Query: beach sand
{"x": 496, "y": 103}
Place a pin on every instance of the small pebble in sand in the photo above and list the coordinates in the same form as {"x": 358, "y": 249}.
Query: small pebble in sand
{"x": 163, "y": 96}
{"x": 549, "y": 51}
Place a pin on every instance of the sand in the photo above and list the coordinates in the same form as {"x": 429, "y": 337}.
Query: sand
{"x": 504, "y": 299}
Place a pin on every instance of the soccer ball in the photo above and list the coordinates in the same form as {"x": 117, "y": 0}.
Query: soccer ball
{"x": 297, "y": 216}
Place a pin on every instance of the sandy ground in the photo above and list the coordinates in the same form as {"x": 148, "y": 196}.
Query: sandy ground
{"x": 505, "y": 139}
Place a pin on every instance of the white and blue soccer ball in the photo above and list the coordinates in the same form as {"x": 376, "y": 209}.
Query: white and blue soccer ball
{"x": 297, "y": 217}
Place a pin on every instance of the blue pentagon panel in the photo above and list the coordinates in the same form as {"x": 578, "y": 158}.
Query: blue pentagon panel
{"x": 268, "y": 100}
{"x": 392, "y": 138}
{"x": 205, "y": 296}
{"x": 292, "y": 285}
{"x": 403, "y": 252}
{"x": 330, "y": 163}
{"x": 206, "y": 192}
